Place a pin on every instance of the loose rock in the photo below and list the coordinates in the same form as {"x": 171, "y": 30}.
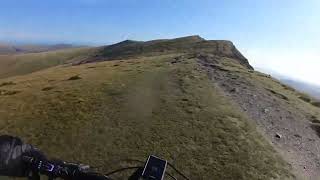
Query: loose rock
{"x": 278, "y": 135}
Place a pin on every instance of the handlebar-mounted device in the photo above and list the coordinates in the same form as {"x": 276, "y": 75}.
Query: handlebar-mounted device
{"x": 154, "y": 169}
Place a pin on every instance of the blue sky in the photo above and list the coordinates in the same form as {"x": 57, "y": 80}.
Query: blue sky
{"x": 281, "y": 36}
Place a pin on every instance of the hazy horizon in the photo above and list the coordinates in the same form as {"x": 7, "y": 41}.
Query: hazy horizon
{"x": 281, "y": 36}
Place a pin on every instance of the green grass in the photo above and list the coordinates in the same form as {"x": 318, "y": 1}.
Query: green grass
{"x": 129, "y": 109}
{"x": 190, "y": 44}
{"x": 21, "y": 64}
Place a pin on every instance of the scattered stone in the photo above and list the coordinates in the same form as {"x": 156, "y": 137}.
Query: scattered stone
{"x": 7, "y": 93}
{"x": 309, "y": 139}
{"x": 47, "y": 88}
{"x": 266, "y": 110}
{"x": 189, "y": 110}
{"x": 279, "y": 136}
{"x": 7, "y": 83}
{"x": 297, "y": 135}
{"x": 234, "y": 90}
{"x": 74, "y": 78}
{"x": 314, "y": 119}
{"x": 279, "y": 95}
{"x": 80, "y": 100}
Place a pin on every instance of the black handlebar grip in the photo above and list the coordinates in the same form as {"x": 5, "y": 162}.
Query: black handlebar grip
{"x": 62, "y": 170}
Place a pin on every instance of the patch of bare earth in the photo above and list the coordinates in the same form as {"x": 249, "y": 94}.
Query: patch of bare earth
{"x": 283, "y": 125}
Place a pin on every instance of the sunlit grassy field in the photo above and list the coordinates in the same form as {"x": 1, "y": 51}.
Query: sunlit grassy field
{"x": 105, "y": 113}
{"x": 21, "y": 64}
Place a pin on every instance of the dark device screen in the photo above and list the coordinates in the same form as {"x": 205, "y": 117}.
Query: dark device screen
{"x": 154, "y": 169}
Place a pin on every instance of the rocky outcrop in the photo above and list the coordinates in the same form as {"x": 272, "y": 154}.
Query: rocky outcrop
{"x": 189, "y": 44}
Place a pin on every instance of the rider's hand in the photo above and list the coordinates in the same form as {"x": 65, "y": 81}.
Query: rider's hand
{"x": 11, "y": 151}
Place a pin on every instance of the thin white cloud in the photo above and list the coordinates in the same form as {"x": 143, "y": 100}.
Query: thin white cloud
{"x": 300, "y": 64}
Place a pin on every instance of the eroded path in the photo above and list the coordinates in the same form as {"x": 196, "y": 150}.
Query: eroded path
{"x": 285, "y": 126}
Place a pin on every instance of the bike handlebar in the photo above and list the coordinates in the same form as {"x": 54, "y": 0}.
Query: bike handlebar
{"x": 55, "y": 169}
{"x": 71, "y": 171}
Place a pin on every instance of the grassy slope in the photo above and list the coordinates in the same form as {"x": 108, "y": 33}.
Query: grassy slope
{"x": 129, "y": 109}
{"x": 21, "y": 64}
{"x": 296, "y": 99}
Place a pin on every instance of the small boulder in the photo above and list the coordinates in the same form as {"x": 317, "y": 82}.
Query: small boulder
{"x": 74, "y": 78}
{"x": 266, "y": 110}
{"x": 234, "y": 90}
{"x": 279, "y": 136}
{"x": 297, "y": 135}
{"x": 47, "y": 88}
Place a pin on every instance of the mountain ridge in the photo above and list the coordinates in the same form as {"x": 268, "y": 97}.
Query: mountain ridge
{"x": 197, "y": 103}
{"x": 191, "y": 44}
{"x": 7, "y": 49}
{"x": 122, "y": 50}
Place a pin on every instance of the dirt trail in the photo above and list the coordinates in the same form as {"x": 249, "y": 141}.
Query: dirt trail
{"x": 283, "y": 125}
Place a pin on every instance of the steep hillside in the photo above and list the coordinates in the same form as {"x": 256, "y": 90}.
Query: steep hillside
{"x": 190, "y": 44}
{"x": 104, "y": 113}
{"x": 195, "y": 102}
{"x": 311, "y": 89}
{"x": 20, "y": 64}
{"x": 287, "y": 118}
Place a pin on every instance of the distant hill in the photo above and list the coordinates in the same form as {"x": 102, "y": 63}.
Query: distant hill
{"x": 311, "y": 89}
{"x": 19, "y": 64}
{"x": 190, "y": 44}
{"x": 32, "y": 48}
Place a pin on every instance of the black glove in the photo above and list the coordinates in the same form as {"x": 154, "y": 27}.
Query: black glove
{"x": 11, "y": 151}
